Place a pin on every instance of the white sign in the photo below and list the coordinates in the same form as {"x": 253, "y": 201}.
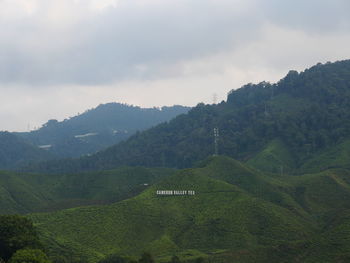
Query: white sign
{"x": 175, "y": 192}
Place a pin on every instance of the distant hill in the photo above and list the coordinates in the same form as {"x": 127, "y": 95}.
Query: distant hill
{"x": 24, "y": 193}
{"x": 236, "y": 215}
{"x": 15, "y": 151}
{"x": 282, "y": 127}
{"x": 98, "y": 128}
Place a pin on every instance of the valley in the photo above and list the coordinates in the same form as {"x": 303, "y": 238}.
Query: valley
{"x": 271, "y": 185}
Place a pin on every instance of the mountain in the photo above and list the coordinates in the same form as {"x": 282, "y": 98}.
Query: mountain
{"x": 236, "y": 214}
{"x": 14, "y": 151}
{"x": 282, "y": 127}
{"x": 98, "y": 128}
{"x": 24, "y": 193}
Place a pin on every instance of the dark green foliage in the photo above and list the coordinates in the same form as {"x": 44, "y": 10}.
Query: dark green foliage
{"x": 98, "y": 128}
{"x": 199, "y": 260}
{"x": 146, "y": 258}
{"x": 29, "y": 256}
{"x": 16, "y": 233}
{"x": 14, "y": 151}
{"x": 306, "y": 113}
{"x": 175, "y": 259}
{"x": 113, "y": 259}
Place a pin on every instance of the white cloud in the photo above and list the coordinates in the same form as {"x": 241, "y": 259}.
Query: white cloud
{"x": 69, "y": 55}
{"x": 102, "y": 4}
{"x": 14, "y": 9}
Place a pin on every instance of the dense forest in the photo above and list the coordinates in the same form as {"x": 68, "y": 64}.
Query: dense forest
{"x": 306, "y": 112}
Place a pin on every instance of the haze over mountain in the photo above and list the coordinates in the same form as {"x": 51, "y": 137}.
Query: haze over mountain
{"x": 288, "y": 125}
{"x": 97, "y": 128}
{"x": 15, "y": 151}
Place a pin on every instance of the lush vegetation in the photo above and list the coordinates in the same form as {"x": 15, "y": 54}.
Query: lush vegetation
{"x": 300, "y": 117}
{"x": 23, "y": 193}
{"x": 237, "y": 215}
{"x": 19, "y": 241}
{"x": 285, "y": 199}
{"x": 98, "y": 128}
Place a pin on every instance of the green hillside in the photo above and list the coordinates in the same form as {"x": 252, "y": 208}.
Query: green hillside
{"x": 236, "y": 214}
{"x": 332, "y": 157}
{"x": 290, "y": 123}
{"x": 23, "y": 193}
{"x": 275, "y": 158}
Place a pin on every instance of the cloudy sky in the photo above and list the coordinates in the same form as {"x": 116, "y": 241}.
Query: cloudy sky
{"x": 61, "y": 57}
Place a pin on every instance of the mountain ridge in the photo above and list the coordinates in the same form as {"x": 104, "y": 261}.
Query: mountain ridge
{"x": 307, "y": 112}
{"x": 98, "y": 128}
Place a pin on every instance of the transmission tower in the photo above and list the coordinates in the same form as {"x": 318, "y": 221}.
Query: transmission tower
{"x": 216, "y": 141}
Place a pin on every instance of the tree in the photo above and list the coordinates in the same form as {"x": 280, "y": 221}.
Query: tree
{"x": 16, "y": 232}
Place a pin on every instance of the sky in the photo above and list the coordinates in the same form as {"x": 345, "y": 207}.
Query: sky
{"x": 59, "y": 58}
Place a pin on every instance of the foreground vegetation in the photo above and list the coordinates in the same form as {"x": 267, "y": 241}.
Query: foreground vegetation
{"x": 19, "y": 241}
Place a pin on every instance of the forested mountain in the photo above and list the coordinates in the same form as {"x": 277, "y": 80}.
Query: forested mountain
{"x": 286, "y": 198}
{"x": 287, "y": 124}
{"x": 98, "y": 128}
{"x": 237, "y": 214}
{"x": 14, "y": 151}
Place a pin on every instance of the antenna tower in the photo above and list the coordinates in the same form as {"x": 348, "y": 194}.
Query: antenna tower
{"x": 216, "y": 141}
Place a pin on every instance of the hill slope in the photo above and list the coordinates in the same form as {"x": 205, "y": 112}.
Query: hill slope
{"x": 14, "y": 151}
{"x": 98, "y": 128}
{"x": 306, "y": 112}
{"x": 23, "y": 193}
{"x": 237, "y": 214}
{"x": 275, "y": 158}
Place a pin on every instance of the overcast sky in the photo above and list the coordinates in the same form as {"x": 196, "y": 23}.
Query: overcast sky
{"x": 61, "y": 57}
